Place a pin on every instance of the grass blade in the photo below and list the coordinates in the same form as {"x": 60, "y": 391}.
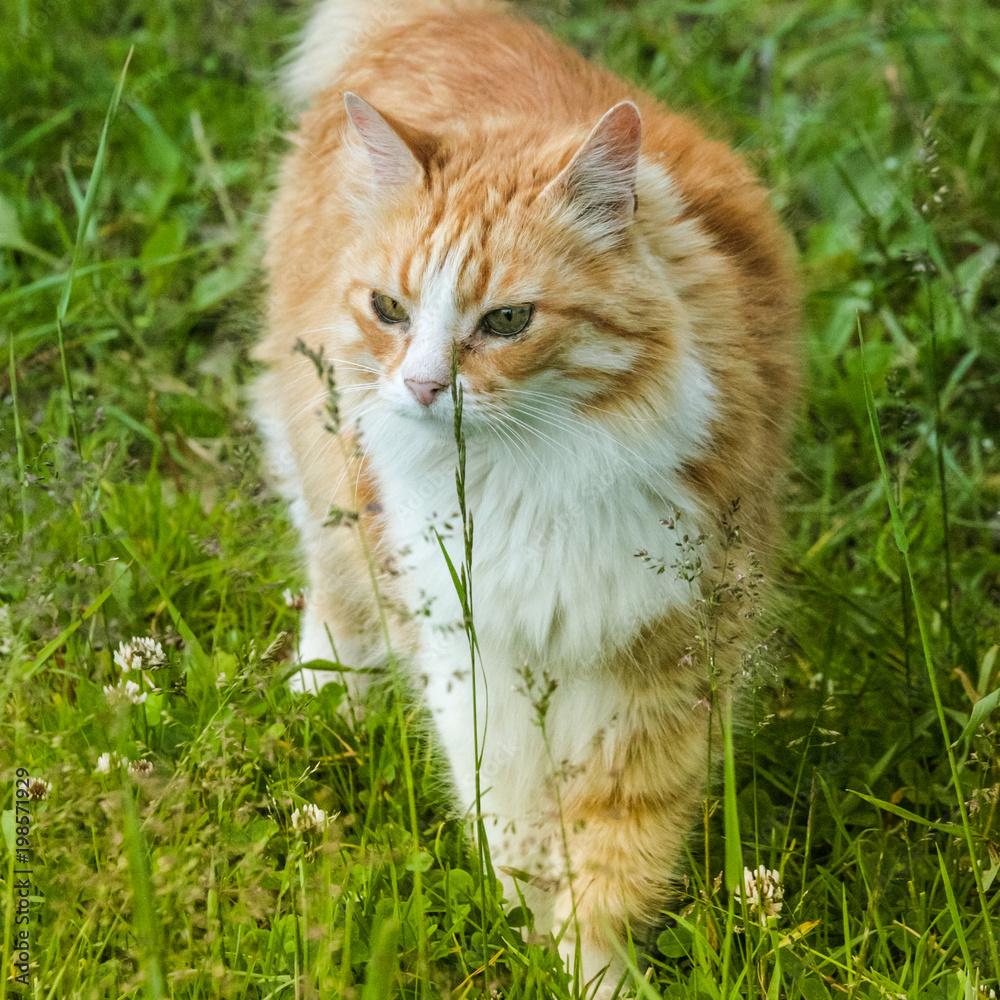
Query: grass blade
{"x": 956, "y": 919}
{"x": 19, "y": 436}
{"x": 49, "y": 648}
{"x": 734, "y": 855}
{"x": 949, "y": 828}
{"x": 902, "y": 544}
{"x": 144, "y": 915}
{"x": 81, "y": 230}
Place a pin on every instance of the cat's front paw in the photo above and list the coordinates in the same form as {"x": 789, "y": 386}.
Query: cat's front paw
{"x": 600, "y": 970}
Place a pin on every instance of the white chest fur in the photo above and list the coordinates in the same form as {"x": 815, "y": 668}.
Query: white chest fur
{"x": 557, "y": 523}
{"x": 557, "y": 586}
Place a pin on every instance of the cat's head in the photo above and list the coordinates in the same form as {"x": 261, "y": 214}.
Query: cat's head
{"x": 511, "y": 256}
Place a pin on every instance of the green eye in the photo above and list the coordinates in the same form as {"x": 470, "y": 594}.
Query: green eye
{"x": 388, "y": 309}
{"x": 508, "y": 320}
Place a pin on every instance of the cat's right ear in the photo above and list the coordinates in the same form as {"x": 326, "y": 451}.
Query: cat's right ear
{"x": 393, "y": 162}
{"x": 599, "y": 182}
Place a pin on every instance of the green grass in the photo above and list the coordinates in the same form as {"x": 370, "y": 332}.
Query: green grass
{"x": 132, "y": 503}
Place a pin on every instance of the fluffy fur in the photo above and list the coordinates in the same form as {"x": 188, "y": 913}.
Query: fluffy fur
{"x": 476, "y": 163}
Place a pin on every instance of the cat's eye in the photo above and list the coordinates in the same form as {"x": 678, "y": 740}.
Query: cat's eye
{"x": 388, "y": 309}
{"x": 507, "y": 320}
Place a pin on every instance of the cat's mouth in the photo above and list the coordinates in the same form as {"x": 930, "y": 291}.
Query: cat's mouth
{"x": 440, "y": 412}
{"x": 438, "y": 409}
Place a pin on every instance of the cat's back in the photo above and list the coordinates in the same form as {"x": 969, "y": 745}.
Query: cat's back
{"x": 445, "y": 60}
{"x": 446, "y": 65}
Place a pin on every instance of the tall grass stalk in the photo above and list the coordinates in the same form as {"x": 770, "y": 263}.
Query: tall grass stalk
{"x": 731, "y": 827}
{"x": 19, "y": 436}
{"x": 82, "y": 936}
{"x": 956, "y": 919}
{"x": 939, "y": 460}
{"x": 145, "y": 918}
{"x": 411, "y": 795}
{"x": 903, "y": 545}
{"x": 462, "y": 581}
{"x": 81, "y": 232}
{"x": 411, "y": 799}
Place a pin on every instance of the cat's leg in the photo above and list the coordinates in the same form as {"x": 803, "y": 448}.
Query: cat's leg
{"x": 351, "y": 616}
{"x": 624, "y": 820}
{"x": 594, "y": 843}
{"x": 321, "y": 477}
{"x": 586, "y": 821}
{"x": 333, "y": 629}
{"x": 531, "y": 841}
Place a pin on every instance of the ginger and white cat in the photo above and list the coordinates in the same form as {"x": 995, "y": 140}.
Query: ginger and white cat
{"x": 623, "y": 308}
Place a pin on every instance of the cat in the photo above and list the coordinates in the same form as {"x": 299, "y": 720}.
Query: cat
{"x": 620, "y": 304}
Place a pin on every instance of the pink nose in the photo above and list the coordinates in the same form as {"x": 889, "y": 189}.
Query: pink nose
{"x": 424, "y": 392}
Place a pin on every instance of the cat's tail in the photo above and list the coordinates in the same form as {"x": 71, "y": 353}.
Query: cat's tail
{"x": 336, "y": 28}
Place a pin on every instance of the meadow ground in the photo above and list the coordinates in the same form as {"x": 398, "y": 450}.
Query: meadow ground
{"x": 132, "y": 504}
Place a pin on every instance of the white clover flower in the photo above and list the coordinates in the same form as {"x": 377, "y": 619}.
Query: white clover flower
{"x": 309, "y": 817}
{"x": 220, "y": 681}
{"x": 141, "y": 768}
{"x": 126, "y": 691}
{"x": 762, "y": 893}
{"x": 38, "y": 789}
{"x": 294, "y": 600}
{"x": 109, "y": 762}
{"x": 139, "y": 654}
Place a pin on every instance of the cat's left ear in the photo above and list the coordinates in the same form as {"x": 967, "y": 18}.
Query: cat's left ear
{"x": 393, "y": 162}
{"x": 600, "y": 179}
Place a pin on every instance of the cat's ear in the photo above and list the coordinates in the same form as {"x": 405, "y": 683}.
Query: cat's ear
{"x": 599, "y": 182}
{"x": 393, "y": 162}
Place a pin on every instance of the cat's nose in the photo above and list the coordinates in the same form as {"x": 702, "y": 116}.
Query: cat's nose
{"x": 424, "y": 392}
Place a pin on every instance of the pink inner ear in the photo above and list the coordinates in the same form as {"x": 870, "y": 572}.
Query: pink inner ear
{"x": 600, "y": 179}
{"x": 392, "y": 162}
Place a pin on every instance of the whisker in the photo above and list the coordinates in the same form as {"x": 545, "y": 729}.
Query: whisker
{"x": 506, "y": 434}
{"x": 306, "y": 470}
{"x": 585, "y": 432}
{"x": 363, "y": 449}
{"x": 511, "y": 419}
{"x": 310, "y": 372}
{"x": 353, "y": 365}
{"x": 312, "y": 401}
{"x": 563, "y": 401}
{"x": 357, "y": 387}
{"x": 557, "y": 421}
{"x": 531, "y": 459}
{"x": 329, "y": 438}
